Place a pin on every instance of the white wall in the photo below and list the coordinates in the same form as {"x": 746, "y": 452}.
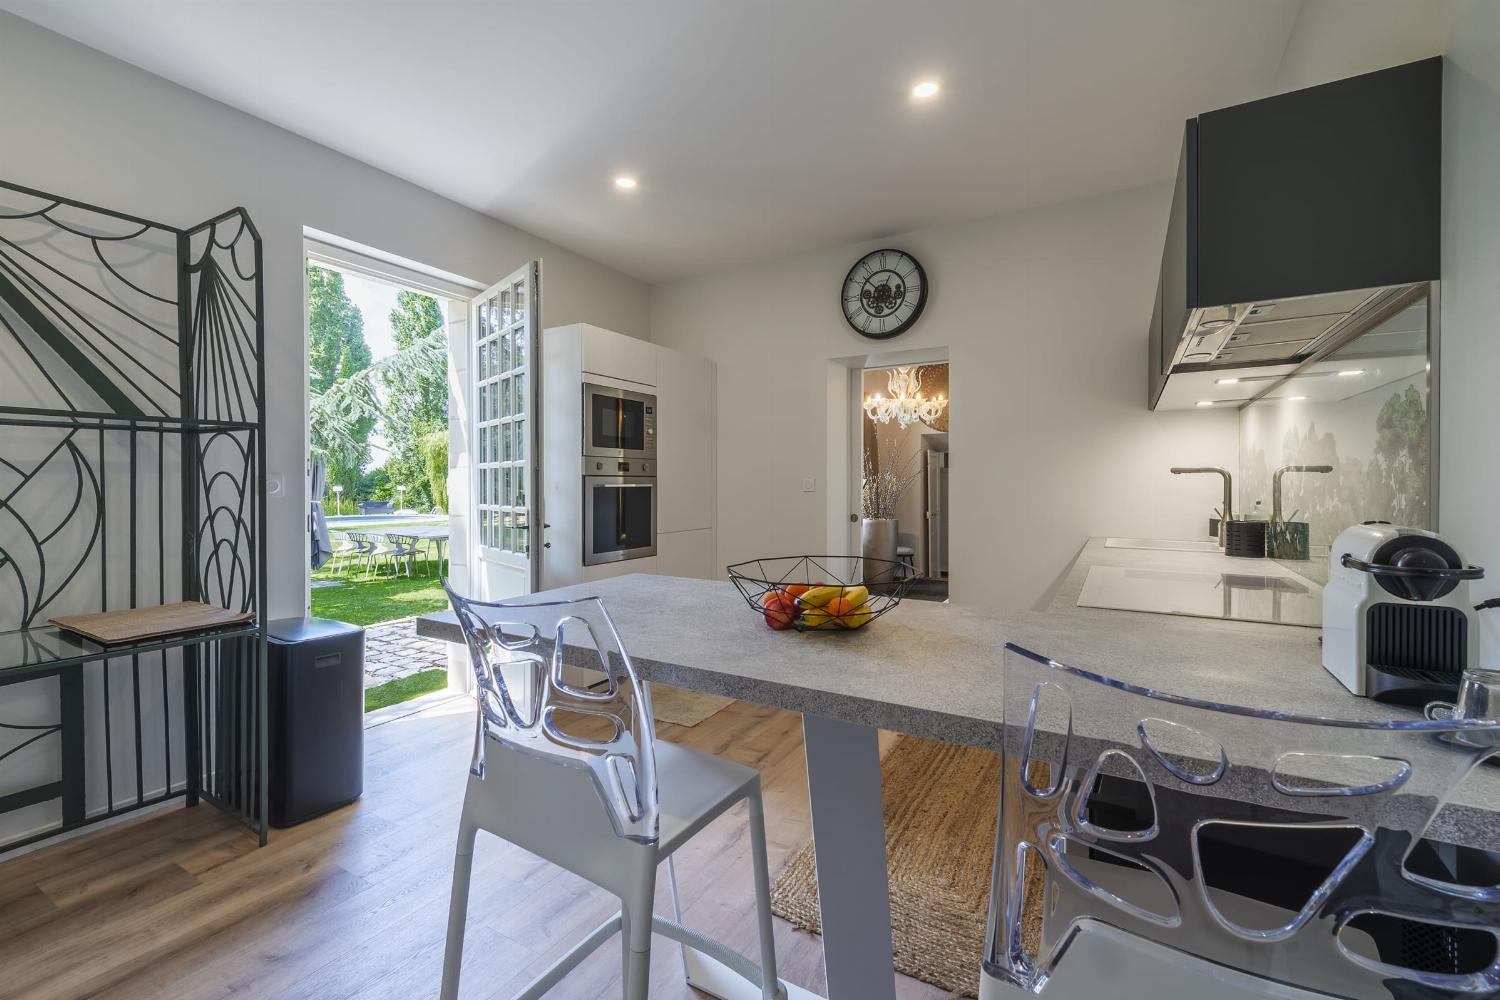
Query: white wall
{"x": 1044, "y": 315}
{"x": 1469, "y": 459}
{"x": 81, "y": 124}
{"x": 1336, "y": 39}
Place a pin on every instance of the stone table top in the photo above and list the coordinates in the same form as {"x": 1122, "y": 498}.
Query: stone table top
{"x": 935, "y": 670}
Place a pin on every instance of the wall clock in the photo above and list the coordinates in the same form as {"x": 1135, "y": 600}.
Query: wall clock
{"x": 884, "y": 293}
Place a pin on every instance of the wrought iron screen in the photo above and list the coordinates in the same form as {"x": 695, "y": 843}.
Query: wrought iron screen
{"x": 132, "y": 456}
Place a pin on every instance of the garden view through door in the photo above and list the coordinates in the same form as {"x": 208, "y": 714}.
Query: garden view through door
{"x": 507, "y": 460}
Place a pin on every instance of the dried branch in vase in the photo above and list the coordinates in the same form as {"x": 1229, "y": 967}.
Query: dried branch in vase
{"x": 884, "y": 488}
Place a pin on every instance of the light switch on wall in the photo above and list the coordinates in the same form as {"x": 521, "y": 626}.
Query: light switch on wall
{"x": 809, "y": 485}
{"x": 275, "y": 485}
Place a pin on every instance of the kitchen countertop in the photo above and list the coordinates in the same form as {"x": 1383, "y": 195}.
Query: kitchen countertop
{"x": 699, "y": 634}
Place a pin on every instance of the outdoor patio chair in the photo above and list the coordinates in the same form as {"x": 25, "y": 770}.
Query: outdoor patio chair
{"x": 403, "y": 551}
{"x": 364, "y": 544}
{"x": 381, "y": 551}
{"x": 344, "y": 549}
{"x": 609, "y": 808}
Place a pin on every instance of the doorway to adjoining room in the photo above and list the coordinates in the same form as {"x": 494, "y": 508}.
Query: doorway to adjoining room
{"x": 904, "y": 468}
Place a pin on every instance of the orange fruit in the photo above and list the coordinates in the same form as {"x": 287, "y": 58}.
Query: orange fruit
{"x": 779, "y": 609}
{"x": 840, "y": 609}
{"x": 796, "y": 590}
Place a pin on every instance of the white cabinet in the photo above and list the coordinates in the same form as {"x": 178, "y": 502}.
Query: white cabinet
{"x": 684, "y": 442}
{"x": 687, "y": 553}
{"x": 605, "y": 571}
{"x": 686, "y": 470}
{"x": 617, "y": 356}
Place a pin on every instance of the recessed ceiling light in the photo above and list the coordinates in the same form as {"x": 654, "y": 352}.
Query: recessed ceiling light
{"x": 624, "y": 182}
{"x": 1351, "y": 372}
{"x": 1205, "y": 402}
{"x": 925, "y": 89}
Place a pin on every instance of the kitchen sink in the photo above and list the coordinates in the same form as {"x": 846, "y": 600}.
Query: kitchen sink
{"x": 1162, "y": 544}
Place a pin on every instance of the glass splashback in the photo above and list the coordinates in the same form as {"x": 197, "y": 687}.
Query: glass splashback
{"x": 1362, "y": 413}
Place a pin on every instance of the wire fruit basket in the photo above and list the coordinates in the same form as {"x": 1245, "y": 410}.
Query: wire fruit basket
{"x": 821, "y": 593}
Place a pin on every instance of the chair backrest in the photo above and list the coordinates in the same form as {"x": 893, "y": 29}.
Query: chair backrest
{"x": 517, "y": 651}
{"x": 1301, "y": 850}
{"x": 362, "y": 540}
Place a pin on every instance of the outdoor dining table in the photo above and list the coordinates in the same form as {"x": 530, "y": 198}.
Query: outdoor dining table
{"x": 437, "y": 534}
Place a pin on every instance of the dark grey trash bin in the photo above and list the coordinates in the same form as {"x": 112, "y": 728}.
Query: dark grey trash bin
{"x": 317, "y": 717}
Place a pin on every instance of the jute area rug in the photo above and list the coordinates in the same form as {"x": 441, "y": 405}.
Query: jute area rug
{"x": 685, "y": 708}
{"x": 941, "y": 807}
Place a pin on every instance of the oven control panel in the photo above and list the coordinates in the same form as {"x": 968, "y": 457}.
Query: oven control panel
{"x": 618, "y": 467}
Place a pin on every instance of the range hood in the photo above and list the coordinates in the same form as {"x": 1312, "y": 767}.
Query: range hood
{"x": 1298, "y": 222}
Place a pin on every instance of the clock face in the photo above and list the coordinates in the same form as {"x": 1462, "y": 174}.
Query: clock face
{"x": 884, "y": 293}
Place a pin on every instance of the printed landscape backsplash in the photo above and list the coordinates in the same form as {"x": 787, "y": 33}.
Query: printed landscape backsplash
{"x": 1377, "y": 442}
{"x": 1364, "y": 410}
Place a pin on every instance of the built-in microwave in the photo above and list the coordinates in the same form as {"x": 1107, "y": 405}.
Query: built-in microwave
{"x": 619, "y": 518}
{"x": 618, "y": 423}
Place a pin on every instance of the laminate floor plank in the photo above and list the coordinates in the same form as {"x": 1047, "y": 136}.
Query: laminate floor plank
{"x": 182, "y": 905}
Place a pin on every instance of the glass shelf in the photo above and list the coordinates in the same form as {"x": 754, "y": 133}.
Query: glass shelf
{"x": 37, "y": 650}
{"x": 15, "y": 416}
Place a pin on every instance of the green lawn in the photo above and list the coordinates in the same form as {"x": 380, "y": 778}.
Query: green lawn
{"x": 353, "y": 598}
{"x": 405, "y": 688}
{"x": 382, "y": 599}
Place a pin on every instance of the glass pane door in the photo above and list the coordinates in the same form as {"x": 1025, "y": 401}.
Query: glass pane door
{"x": 506, "y": 458}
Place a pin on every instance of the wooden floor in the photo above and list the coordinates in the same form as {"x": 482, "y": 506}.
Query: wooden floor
{"x": 354, "y": 904}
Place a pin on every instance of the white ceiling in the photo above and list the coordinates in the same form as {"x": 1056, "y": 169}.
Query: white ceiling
{"x": 756, "y": 129}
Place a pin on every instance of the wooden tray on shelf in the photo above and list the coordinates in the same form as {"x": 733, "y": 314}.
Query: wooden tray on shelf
{"x": 112, "y": 628}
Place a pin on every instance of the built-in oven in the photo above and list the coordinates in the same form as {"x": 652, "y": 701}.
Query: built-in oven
{"x": 618, "y": 423}
{"x": 619, "y": 517}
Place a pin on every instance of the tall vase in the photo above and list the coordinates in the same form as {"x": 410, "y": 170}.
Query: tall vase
{"x": 877, "y": 541}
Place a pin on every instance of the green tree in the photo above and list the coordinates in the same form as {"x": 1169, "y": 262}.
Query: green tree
{"x": 336, "y": 350}
{"x": 415, "y": 398}
{"x": 435, "y": 454}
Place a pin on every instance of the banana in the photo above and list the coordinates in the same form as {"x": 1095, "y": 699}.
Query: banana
{"x": 816, "y": 618}
{"x": 819, "y": 596}
{"x": 858, "y": 618}
{"x": 857, "y": 596}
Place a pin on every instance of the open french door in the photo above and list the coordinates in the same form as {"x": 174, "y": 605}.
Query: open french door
{"x": 507, "y": 458}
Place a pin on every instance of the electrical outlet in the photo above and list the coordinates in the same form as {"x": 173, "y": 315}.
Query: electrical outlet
{"x": 809, "y": 485}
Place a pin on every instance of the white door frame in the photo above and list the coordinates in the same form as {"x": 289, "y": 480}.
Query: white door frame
{"x": 330, "y": 250}
{"x": 853, "y": 475}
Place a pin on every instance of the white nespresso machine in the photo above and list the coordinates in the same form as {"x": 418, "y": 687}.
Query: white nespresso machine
{"x": 1398, "y": 622}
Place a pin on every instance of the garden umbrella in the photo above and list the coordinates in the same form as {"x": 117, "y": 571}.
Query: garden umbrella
{"x": 322, "y": 545}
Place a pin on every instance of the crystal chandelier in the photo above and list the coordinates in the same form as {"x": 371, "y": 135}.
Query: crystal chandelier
{"x": 906, "y": 405}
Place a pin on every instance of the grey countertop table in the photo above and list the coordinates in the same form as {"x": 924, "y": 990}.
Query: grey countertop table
{"x": 935, "y": 670}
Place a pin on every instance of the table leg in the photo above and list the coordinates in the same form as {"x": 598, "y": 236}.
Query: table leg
{"x": 843, "y": 783}
{"x": 843, "y": 778}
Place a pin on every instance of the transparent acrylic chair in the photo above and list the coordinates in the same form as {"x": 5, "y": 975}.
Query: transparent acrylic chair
{"x": 577, "y": 777}
{"x": 1155, "y": 846}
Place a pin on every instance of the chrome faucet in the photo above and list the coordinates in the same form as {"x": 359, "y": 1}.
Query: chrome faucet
{"x": 1276, "y": 485}
{"x": 1227, "y": 514}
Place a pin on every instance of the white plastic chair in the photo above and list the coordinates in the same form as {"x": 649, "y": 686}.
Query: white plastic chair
{"x": 1233, "y": 853}
{"x": 403, "y": 552}
{"x": 344, "y": 548}
{"x": 610, "y": 810}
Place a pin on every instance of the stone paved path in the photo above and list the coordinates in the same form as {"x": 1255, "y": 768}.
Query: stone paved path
{"x": 393, "y": 649}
